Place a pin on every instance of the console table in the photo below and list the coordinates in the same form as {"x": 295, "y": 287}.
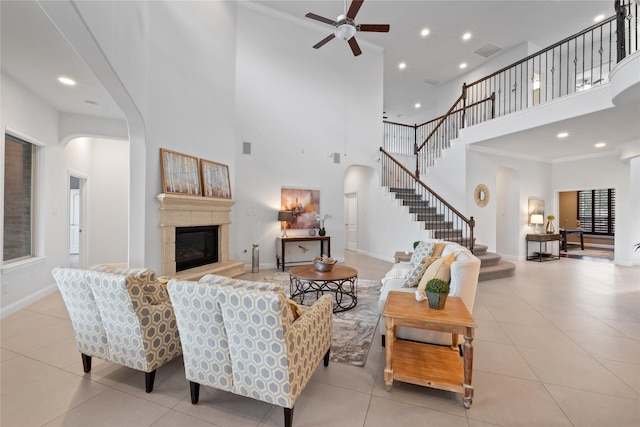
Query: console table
{"x": 282, "y": 241}
{"x": 543, "y": 239}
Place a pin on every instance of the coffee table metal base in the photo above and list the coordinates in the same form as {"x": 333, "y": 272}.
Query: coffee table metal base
{"x": 342, "y": 282}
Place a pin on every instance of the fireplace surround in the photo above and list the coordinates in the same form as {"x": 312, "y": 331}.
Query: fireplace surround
{"x": 192, "y": 211}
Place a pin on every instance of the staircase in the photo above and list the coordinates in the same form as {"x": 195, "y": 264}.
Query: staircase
{"x": 492, "y": 266}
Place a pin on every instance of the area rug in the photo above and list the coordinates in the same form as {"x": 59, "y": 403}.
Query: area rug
{"x": 353, "y": 330}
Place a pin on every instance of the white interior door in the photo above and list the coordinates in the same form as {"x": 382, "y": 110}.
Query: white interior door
{"x": 74, "y": 221}
{"x": 351, "y": 226}
{"x": 77, "y": 220}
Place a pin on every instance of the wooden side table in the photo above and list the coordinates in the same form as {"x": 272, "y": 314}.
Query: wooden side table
{"x": 426, "y": 364}
{"x": 543, "y": 254}
{"x": 402, "y": 256}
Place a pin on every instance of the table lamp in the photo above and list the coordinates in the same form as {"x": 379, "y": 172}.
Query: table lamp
{"x": 537, "y": 219}
{"x": 286, "y": 217}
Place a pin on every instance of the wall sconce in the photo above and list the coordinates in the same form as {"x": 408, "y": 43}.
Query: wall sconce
{"x": 537, "y": 220}
{"x": 286, "y": 217}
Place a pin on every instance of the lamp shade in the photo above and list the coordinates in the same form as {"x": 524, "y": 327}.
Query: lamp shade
{"x": 537, "y": 219}
{"x": 288, "y": 216}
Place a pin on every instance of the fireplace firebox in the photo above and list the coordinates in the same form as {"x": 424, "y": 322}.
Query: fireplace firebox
{"x": 196, "y": 246}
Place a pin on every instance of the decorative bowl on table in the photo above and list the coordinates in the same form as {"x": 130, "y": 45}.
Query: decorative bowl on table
{"x": 324, "y": 264}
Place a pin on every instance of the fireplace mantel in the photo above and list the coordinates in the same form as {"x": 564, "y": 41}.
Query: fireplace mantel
{"x": 178, "y": 210}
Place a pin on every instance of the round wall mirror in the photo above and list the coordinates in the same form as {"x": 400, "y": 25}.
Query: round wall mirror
{"x": 482, "y": 195}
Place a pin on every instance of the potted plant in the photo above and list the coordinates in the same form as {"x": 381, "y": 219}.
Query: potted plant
{"x": 437, "y": 291}
{"x": 550, "y": 228}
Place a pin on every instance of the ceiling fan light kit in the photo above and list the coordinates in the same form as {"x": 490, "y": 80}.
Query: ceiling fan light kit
{"x": 346, "y": 28}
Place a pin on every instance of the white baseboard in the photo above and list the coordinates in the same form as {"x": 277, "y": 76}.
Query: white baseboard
{"x": 24, "y": 302}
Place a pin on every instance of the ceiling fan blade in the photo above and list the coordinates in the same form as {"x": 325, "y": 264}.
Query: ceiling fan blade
{"x": 354, "y": 46}
{"x": 321, "y": 19}
{"x": 376, "y": 28}
{"x": 354, "y": 8}
{"x": 324, "y": 41}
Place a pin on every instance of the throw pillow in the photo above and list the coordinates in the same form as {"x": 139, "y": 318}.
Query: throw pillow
{"x": 439, "y": 269}
{"x": 413, "y": 279}
{"x": 437, "y": 249}
{"x": 295, "y": 309}
{"x": 424, "y": 249}
{"x": 397, "y": 272}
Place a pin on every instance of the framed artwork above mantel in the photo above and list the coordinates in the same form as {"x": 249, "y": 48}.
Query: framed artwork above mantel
{"x": 180, "y": 173}
{"x": 215, "y": 179}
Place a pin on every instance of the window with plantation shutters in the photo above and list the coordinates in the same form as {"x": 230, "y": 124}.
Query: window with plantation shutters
{"x": 596, "y": 211}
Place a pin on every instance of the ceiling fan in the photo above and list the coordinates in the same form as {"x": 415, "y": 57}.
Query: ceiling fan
{"x": 346, "y": 28}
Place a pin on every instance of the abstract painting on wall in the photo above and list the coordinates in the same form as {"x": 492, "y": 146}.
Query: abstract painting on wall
{"x": 305, "y": 205}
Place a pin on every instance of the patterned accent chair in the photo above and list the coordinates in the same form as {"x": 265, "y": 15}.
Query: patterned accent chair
{"x": 241, "y": 337}
{"x": 116, "y": 319}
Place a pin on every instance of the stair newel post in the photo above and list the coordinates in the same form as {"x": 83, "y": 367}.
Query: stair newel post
{"x": 621, "y": 13}
{"x": 464, "y": 105}
{"x": 415, "y": 149}
{"x": 493, "y": 105}
{"x": 472, "y": 224}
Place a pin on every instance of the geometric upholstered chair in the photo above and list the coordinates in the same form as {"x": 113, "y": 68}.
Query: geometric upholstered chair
{"x": 243, "y": 337}
{"x": 124, "y": 318}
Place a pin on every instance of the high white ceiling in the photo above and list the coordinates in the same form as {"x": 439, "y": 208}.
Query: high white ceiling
{"x": 35, "y": 54}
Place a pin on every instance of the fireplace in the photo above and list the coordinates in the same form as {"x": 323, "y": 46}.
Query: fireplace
{"x": 196, "y": 246}
{"x": 186, "y": 212}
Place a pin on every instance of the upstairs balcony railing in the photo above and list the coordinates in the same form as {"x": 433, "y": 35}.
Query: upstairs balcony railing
{"x": 572, "y": 65}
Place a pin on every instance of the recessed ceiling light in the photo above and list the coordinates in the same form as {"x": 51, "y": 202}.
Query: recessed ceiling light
{"x": 402, "y": 65}
{"x": 417, "y": 105}
{"x": 563, "y": 135}
{"x": 424, "y": 32}
{"x": 600, "y": 145}
{"x": 66, "y": 81}
{"x": 598, "y": 18}
{"x": 466, "y": 36}
{"x": 463, "y": 65}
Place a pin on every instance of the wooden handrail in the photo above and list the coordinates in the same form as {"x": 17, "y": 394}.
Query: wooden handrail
{"x": 436, "y": 195}
{"x": 439, "y": 124}
{"x": 540, "y": 52}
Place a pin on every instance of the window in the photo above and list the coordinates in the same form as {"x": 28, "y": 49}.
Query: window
{"x": 596, "y": 211}
{"x": 19, "y": 169}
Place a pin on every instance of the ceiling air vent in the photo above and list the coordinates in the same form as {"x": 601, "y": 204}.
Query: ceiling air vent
{"x": 488, "y": 50}
{"x": 432, "y": 82}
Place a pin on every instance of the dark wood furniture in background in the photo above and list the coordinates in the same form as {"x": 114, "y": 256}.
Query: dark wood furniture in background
{"x": 564, "y": 233}
{"x": 543, "y": 254}
{"x": 282, "y": 241}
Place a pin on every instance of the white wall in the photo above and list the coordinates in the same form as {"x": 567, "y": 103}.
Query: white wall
{"x": 296, "y": 105}
{"x": 534, "y": 183}
{"x": 177, "y": 63}
{"x": 102, "y": 162}
{"x": 617, "y": 174}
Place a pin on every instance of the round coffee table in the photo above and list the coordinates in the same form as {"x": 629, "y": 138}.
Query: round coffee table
{"x": 342, "y": 281}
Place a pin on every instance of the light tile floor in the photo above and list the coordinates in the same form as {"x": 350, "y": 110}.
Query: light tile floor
{"x": 556, "y": 345}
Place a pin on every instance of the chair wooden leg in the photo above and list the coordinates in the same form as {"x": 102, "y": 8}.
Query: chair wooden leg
{"x": 86, "y": 362}
{"x": 149, "y": 377}
{"x": 195, "y": 392}
{"x": 326, "y": 358}
{"x": 288, "y": 417}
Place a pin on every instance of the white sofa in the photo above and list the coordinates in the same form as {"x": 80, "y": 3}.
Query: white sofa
{"x": 464, "y": 281}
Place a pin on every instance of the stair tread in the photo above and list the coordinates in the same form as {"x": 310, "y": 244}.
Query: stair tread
{"x": 503, "y": 269}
